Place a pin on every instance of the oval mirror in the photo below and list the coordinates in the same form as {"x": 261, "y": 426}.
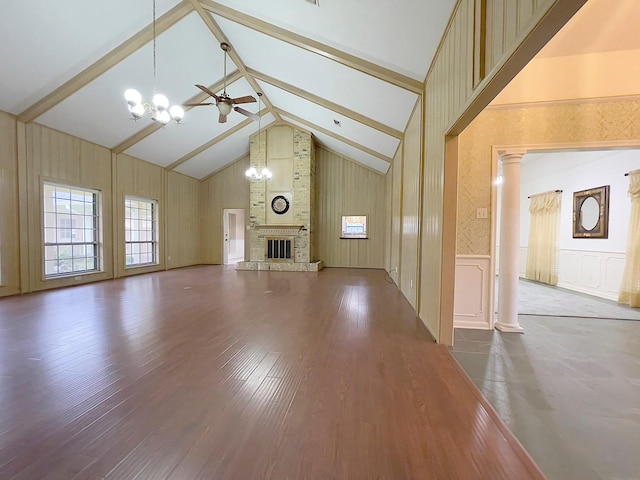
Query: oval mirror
{"x": 589, "y": 213}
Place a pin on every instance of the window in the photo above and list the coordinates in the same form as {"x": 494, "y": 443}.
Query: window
{"x": 354, "y": 226}
{"x": 141, "y": 245}
{"x": 70, "y": 230}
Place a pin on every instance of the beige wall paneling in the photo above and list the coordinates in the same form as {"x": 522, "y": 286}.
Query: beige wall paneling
{"x": 396, "y": 216}
{"x": 513, "y": 38}
{"x": 411, "y": 165}
{"x": 9, "y": 214}
{"x": 388, "y": 199}
{"x": 58, "y": 157}
{"x": 345, "y": 188}
{"x": 141, "y": 179}
{"x": 182, "y": 221}
{"x": 228, "y": 188}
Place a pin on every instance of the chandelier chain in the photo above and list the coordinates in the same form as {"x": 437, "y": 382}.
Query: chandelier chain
{"x": 154, "y": 47}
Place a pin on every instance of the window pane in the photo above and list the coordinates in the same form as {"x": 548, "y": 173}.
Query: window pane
{"x": 140, "y": 231}
{"x": 69, "y": 229}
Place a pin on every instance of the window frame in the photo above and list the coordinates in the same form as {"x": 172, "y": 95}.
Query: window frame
{"x": 154, "y": 233}
{"x": 345, "y": 235}
{"x": 66, "y": 233}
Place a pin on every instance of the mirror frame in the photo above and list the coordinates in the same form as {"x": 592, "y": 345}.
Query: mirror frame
{"x": 601, "y": 230}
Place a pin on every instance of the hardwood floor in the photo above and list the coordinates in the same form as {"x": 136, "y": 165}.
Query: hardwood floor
{"x": 205, "y": 372}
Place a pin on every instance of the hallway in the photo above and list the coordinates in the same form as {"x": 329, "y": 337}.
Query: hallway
{"x": 569, "y": 388}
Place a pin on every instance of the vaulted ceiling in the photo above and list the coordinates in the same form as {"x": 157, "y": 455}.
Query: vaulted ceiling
{"x": 349, "y": 72}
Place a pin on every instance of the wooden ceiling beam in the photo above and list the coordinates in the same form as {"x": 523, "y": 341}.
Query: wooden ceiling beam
{"x": 212, "y": 142}
{"x": 335, "y": 136}
{"x": 155, "y": 126}
{"x": 235, "y": 58}
{"x": 369, "y": 122}
{"x": 100, "y": 66}
{"x": 364, "y": 66}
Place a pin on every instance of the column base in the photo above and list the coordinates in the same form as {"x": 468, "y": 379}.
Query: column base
{"x": 509, "y": 328}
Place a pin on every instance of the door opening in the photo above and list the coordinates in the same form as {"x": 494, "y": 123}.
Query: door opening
{"x": 233, "y": 235}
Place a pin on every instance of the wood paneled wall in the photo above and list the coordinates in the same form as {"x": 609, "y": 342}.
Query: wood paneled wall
{"x": 9, "y": 221}
{"x": 32, "y": 154}
{"x": 228, "y": 188}
{"x": 137, "y": 178}
{"x": 411, "y": 172}
{"x": 396, "y": 217}
{"x": 345, "y": 188}
{"x": 58, "y": 157}
{"x": 515, "y": 31}
{"x": 183, "y": 229}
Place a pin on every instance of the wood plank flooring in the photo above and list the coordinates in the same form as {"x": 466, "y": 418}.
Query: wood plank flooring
{"x": 209, "y": 373}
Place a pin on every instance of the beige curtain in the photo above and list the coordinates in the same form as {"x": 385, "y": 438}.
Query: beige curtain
{"x": 542, "y": 254}
{"x": 630, "y": 288}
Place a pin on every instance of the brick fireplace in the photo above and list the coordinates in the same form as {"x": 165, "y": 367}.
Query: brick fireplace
{"x": 283, "y": 207}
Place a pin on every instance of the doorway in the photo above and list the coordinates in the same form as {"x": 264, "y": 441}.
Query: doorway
{"x": 233, "y": 235}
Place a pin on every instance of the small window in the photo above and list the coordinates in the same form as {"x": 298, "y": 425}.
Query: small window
{"x": 354, "y": 226}
{"x": 70, "y": 230}
{"x": 140, "y": 231}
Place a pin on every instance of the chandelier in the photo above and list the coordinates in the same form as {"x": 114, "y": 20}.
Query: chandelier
{"x": 253, "y": 173}
{"x": 159, "y": 106}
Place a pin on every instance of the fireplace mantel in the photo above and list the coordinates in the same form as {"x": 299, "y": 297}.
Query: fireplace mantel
{"x": 279, "y": 230}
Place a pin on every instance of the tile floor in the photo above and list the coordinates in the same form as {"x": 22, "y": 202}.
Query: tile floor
{"x": 569, "y": 388}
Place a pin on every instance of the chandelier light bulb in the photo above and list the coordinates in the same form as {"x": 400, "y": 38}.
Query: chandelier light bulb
{"x": 266, "y": 173}
{"x": 176, "y": 112}
{"x": 137, "y": 110}
{"x": 133, "y": 97}
{"x": 160, "y": 101}
{"x": 163, "y": 117}
{"x": 251, "y": 172}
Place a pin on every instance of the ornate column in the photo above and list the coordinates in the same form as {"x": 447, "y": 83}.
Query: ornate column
{"x": 509, "y": 243}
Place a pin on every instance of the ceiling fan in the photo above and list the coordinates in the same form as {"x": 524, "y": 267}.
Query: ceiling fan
{"x": 223, "y": 101}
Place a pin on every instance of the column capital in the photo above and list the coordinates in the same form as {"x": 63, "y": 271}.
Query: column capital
{"x": 511, "y": 155}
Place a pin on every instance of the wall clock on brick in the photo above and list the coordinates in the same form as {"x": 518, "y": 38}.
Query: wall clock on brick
{"x": 279, "y": 205}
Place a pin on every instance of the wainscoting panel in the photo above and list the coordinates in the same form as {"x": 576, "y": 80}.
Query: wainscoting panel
{"x": 472, "y": 292}
{"x": 595, "y": 273}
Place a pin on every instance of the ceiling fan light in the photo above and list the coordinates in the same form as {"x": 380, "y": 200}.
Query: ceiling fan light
{"x": 160, "y": 101}
{"x": 132, "y": 96}
{"x": 176, "y": 112}
{"x": 137, "y": 110}
{"x": 224, "y": 107}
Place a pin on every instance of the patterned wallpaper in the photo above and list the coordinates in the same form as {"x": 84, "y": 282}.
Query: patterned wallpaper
{"x": 599, "y": 121}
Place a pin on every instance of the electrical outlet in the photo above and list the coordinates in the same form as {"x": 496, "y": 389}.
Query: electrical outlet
{"x": 481, "y": 213}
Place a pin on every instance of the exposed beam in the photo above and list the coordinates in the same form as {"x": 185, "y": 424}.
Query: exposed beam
{"x": 313, "y": 126}
{"x": 155, "y": 126}
{"x": 99, "y": 67}
{"x": 313, "y": 46}
{"x": 221, "y": 37}
{"x": 212, "y": 142}
{"x": 381, "y": 127}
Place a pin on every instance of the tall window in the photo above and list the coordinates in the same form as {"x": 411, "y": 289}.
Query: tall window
{"x": 354, "y": 226}
{"x": 70, "y": 230}
{"x": 140, "y": 232}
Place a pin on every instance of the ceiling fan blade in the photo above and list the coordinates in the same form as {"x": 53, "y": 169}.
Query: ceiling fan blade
{"x": 244, "y": 112}
{"x": 222, "y": 118}
{"x": 208, "y": 92}
{"x": 245, "y": 99}
{"x": 198, "y": 104}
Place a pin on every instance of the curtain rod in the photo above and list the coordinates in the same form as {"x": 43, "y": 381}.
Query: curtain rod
{"x": 556, "y": 191}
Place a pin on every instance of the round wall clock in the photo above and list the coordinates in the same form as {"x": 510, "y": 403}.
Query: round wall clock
{"x": 279, "y": 205}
